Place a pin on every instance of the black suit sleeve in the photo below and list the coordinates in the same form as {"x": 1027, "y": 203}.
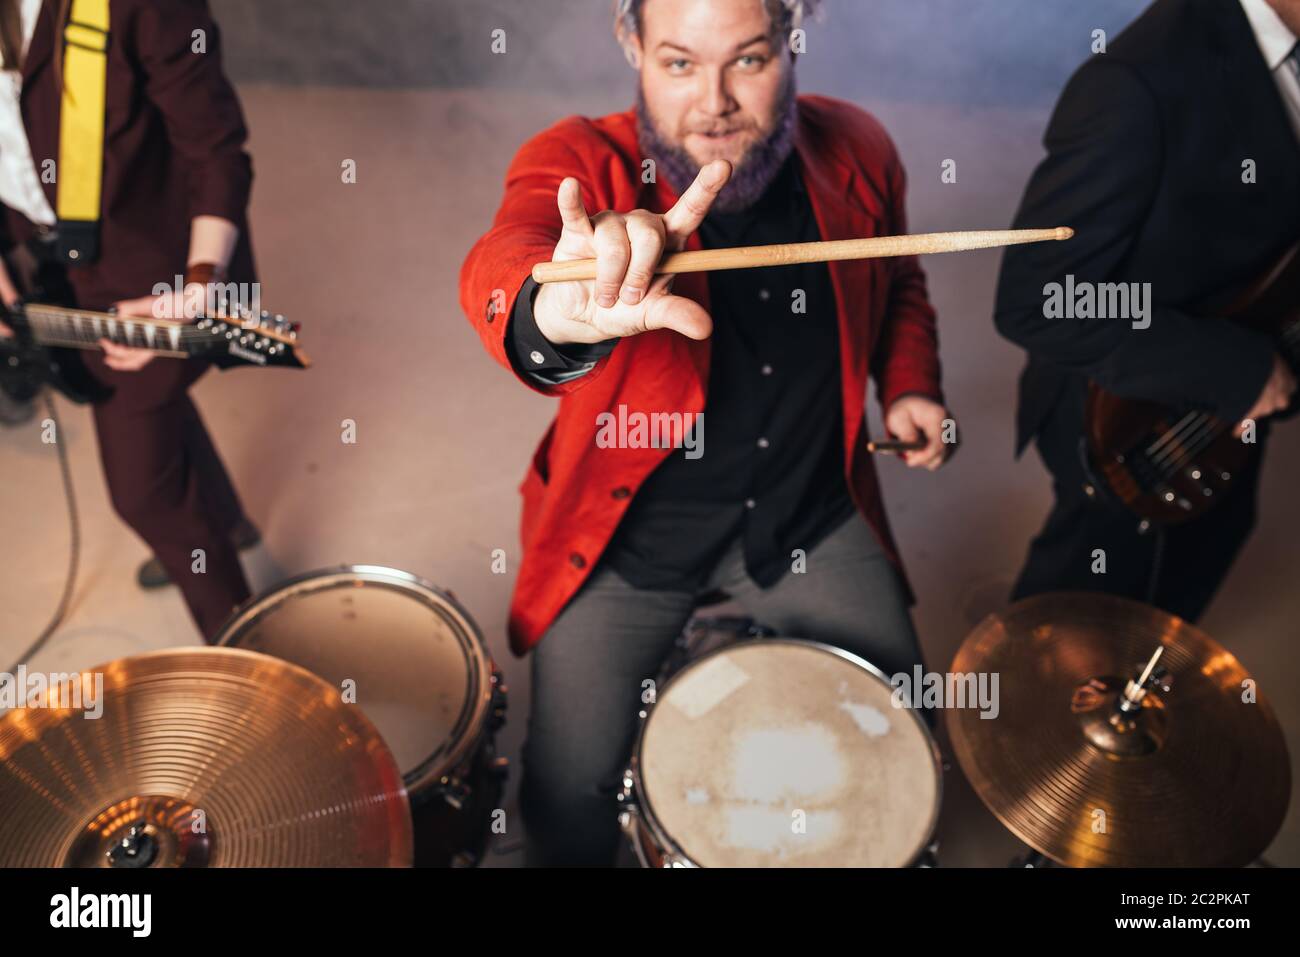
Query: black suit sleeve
{"x": 1103, "y": 169}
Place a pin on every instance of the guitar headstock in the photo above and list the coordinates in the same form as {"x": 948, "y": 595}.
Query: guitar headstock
{"x": 245, "y": 338}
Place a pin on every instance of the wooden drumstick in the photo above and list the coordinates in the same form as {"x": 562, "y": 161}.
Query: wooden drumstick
{"x": 787, "y": 254}
{"x": 895, "y": 445}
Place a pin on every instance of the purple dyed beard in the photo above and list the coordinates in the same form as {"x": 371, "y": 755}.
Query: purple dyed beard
{"x": 756, "y": 170}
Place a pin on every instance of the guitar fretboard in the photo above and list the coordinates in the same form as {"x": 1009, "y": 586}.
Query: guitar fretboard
{"x": 56, "y": 326}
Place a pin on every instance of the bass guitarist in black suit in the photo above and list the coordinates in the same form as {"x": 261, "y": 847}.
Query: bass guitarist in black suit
{"x": 1175, "y": 155}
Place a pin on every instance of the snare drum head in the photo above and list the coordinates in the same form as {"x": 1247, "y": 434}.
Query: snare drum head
{"x": 409, "y": 656}
{"x": 785, "y": 753}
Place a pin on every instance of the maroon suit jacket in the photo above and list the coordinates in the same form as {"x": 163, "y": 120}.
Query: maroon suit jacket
{"x": 575, "y": 493}
{"x": 174, "y": 146}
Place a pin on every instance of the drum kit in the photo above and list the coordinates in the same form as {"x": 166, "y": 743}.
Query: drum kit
{"x": 348, "y": 718}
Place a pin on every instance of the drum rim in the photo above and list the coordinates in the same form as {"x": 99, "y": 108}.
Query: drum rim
{"x": 645, "y": 811}
{"x": 469, "y": 728}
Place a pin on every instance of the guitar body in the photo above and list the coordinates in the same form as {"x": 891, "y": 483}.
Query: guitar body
{"x": 1170, "y": 467}
{"x": 1129, "y": 451}
{"x": 25, "y": 366}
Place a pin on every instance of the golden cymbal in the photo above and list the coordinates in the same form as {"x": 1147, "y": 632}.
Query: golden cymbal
{"x": 1195, "y": 774}
{"x": 213, "y": 757}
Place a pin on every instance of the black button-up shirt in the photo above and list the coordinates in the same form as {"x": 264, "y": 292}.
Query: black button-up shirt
{"x": 772, "y": 468}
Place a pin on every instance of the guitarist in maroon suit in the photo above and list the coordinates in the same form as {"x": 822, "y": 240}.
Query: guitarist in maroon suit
{"x": 1173, "y": 155}
{"x": 175, "y": 189}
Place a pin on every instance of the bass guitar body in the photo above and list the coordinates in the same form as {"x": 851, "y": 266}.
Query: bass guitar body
{"x": 1164, "y": 474}
{"x": 1168, "y": 466}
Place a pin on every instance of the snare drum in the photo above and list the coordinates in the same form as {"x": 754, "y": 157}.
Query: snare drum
{"x": 414, "y": 661}
{"x": 775, "y": 752}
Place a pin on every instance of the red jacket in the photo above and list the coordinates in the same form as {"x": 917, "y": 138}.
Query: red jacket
{"x": 575, "y": 493}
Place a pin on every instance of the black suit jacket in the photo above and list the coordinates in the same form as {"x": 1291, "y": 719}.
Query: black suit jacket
{"x": 1145, "y": 160}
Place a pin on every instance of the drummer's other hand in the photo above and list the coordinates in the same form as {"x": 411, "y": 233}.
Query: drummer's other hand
{"x": 626, "y": 298}
{"x": 914, "y": 417}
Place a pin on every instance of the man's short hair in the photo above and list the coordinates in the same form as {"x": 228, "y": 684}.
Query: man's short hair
{"x": 786, "y": 15}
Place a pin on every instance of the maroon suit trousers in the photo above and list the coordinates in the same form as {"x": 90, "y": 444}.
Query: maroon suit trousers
{"x": 167, "y": 482}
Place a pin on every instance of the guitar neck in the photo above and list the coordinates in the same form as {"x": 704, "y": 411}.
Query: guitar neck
{"x": 80, "y": 329}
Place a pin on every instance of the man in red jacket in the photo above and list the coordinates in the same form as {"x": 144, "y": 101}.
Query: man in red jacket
{"x": 627, "y": 521}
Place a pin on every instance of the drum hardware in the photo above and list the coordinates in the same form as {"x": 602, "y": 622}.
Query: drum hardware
{"x": 418, "y": 664}
{"x": 1032, "y": 860}
{"x": 497, "y": 706}
{"x": 679, "y": 808}
{"x": 1090, "y": 768}
{"x": 137, "y": 848}
{"x": 929, "y": 857}
{"x": 99, "y": 793}
{"x": 632, "y": 825}
{"x": 455, "y": 792}
{"x": 703, "y": 633}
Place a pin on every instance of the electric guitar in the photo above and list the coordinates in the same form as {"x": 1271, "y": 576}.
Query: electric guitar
{"x": 42, "y": 349}
{"x": 1169, "y": 467}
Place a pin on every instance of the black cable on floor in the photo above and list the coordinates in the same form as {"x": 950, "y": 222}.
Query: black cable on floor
{"x": 74, "y": 526}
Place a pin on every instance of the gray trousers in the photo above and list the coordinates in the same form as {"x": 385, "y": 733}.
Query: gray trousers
{"x": 588, "y": 669}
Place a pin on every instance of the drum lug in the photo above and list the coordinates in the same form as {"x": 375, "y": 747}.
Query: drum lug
{"x": 497, "y": 709}
{"x": 629, "y": 819}
{"x": 624, "y": 796}
{"x": 928, "y": 857}
{"x": 456, "y": 792}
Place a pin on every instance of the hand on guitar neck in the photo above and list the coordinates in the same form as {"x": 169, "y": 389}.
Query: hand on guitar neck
{"x": 8, "y": 295}
{"x": 117, "y": 357}
{"x": 1276, "y": 396}
{"x": 126, "y": 358}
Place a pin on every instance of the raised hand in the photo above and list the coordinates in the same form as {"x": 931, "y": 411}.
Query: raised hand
{"x": 626, "y": 298}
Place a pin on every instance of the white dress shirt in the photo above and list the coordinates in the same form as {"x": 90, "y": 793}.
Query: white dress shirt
{"x": 1276, "y": 42}
{"x": 20, "y": 186}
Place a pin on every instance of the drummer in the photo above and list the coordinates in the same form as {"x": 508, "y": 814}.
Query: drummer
{"x": 784, "y": 513}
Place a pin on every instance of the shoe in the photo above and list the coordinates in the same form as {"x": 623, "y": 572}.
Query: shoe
{"x": 153, "y": 575}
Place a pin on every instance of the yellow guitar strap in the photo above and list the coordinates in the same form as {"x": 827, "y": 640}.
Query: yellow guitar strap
{"x": 81, "y": 130}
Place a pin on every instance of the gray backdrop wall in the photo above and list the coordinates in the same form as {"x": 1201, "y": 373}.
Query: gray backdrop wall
{"x": 978, "y": 52}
